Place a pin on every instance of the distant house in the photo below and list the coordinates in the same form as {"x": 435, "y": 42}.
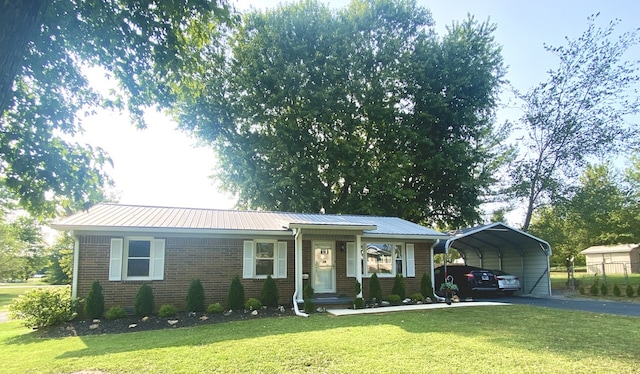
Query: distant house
{"x": 613, "y": 259}
{"x": 124, "y": 246}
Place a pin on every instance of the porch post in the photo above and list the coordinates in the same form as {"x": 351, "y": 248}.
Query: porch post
{"x": 298, "y": 264}
{"x": 359, "y": 262}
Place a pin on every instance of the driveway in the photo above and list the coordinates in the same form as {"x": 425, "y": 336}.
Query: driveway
{"x": 595, "y": 306}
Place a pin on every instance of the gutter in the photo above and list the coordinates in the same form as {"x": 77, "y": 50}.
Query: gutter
{"x": 433, "y": 280}
{"x": 295, "y": 306}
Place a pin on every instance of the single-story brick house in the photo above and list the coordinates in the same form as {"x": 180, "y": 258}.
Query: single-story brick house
{"x": 124, "y": 246}
{"x": 613, "y": 259}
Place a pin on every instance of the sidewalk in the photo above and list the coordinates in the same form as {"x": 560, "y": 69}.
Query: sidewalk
{"x": 405, "y": 308}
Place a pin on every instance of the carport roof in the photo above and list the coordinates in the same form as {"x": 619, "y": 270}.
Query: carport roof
{"x": 496, "y": 236}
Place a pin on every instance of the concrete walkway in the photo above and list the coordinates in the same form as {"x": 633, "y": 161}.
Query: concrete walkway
{"x": 405, "y": 308}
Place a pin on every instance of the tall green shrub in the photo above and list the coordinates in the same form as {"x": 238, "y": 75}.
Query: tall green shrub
{"x": 94, "y": 304}
{"x": 399, "y": 287}
{"x": 616, "y": 290}
{"x": 375, "y": 289}
{"x": 426, "y": 289}
{"x": 144, "y": 303}
{"x": 307, "y": 294}
{"x": 594, "y": 290}
{"x": 357, "y": 288}
{"x": 235, "y": 298}
{"x": 269, "y": 295}
{"x": 603, "y": 289}
{"x": 195, "y": 297}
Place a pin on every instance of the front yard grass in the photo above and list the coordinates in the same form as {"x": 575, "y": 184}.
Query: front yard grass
{"x": 497, "y": 339}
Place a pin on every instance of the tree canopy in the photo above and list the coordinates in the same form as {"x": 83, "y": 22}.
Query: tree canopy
{"x": 44, "y": 46}
{"x": 581, "y": 111}
{"x": 364, "y": 110}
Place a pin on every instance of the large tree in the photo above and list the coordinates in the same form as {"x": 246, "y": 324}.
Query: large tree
{"x": 601, "y": 210}
{"x": 362, "y": 110}
{"x": 44, "y": 45}
{"x": 581, "y": 111}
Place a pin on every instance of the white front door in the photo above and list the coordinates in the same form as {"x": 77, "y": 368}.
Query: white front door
{"x": 324, "y": 267}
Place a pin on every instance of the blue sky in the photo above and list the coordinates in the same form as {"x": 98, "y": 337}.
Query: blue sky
{"x": 162, "y": 166}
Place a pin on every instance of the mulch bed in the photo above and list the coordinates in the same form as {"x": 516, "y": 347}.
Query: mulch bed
{"x": 134, "y": 323}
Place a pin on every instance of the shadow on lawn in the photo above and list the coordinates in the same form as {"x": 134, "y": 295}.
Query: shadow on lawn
{"x": 525, "y": 327}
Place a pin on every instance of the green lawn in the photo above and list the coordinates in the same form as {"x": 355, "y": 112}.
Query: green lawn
{"x": 497, "y": 339}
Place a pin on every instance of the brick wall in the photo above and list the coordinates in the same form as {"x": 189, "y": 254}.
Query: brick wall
{"x": 214, "y": 262}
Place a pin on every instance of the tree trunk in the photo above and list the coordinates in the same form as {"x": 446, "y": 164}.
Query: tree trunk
{"x": 19, "y": 24}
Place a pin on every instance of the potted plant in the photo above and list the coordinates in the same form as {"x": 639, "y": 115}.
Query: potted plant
{"x": 449, "y": 289}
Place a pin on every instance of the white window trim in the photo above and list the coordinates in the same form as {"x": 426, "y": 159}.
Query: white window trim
{"x": 119, "y": 259}
{"x": 408, "y": 259}
{"x": 279, "y": 259}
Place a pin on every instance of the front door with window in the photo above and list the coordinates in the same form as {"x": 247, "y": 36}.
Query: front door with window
{"x": 324, "y": 267}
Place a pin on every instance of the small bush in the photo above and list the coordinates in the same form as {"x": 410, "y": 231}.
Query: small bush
{"x": 394, "y": 299}
{"x": 94, "y": 303}
{"x": 253, "y": 304}
{"x": 638, "y": 291}
{"x": 417, "y": 297}
{"x": 594, "y": 290}
{"x": 43, "y": 307}
{"x": 307, "y": 294}
{"x": 582, "y": 290}
{"x": 167, "y": 310}
{"x": 144, "y": 303}
{"x": 215, "y": 308}
{"x": 195, "y": 297}
{"x": 399, "y": 287}
{"x": 426, "y": 289}
{"x": 358, "y": 303}
{"x": 603, "y": 289}
{"x": 235, "y": 298}
{"x": 616, "y": 290}
{"x": 629, "y": 290}
{"x": 269, "y": 295}
{"x": 375, "y": 290}
{"x": 115, "y": 312}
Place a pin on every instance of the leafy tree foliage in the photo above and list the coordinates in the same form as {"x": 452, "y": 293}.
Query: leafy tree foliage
{"x": 60, "y": 269}
{"x": 43, "y": 47}
{"x": 600, "y": 212}
{"x": 579, "y": 112}
{"x": 362, "y": 110}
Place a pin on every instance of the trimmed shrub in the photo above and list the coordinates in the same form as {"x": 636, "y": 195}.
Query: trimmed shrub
{"x": 394, "y": 299}
{"x": 399, "y": 287}
{"x": 144, "y": 303}
{"x": 167, "y": 310}
{"x": 215, "y": 308}
{"x": 235, "y": 298}
{"x": 582, "y": 290}
{"x": 115, "y": 312}
{"x": 638, "y": 291}
{"x": 629, "y": 291}
{"x": 307, "y": 294}
{"x": 375, "y": 290}
{"x": 616, "y": 290}
{"x": 358, "y": 303}
{"x": 253, "y": 304}
{"x": 417, "y": 297}
{"x": 426, "y": 289}
{"x": 43, "y": 307}
{"x": 357, "y": 288}
{"x": 195, "y": 297}
{"x": 594, "y": 290}
{"x": 94, "y": 303}
{"x": 269, "y": 295}
{"x": 603, "y": 289}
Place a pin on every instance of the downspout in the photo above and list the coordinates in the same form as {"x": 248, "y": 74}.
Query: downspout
{"x": 76, "y": 261}
{"x": 433, "y": 279}
{"x": 298, "y": 273}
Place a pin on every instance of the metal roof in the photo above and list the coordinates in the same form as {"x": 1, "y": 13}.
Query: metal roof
{"x": 110, "y": 217}
{"x": 619, "y": 248}
{"x": 492, "y": 236}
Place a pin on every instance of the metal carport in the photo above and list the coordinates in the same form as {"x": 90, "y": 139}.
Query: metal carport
{"x": 498, "y": 246}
